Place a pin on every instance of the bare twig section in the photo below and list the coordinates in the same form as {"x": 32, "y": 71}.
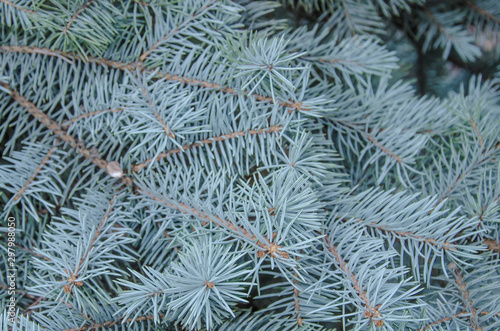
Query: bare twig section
{"x": 120, "y": 321}
{"x": 371, "y": 311}
{"x": 18, "y": 7}
{"x": 207, "y": 141}
{"x": 178, "y": 27}
{"x": 68, "y": 123}
{"x": 35, "y": 173}
{"x": 53, "y": 126}
{"x": 78, "y": 12}
{"x": 483, "y": 12}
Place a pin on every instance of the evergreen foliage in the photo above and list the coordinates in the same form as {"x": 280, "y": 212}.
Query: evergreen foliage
{"x": 242, "y": 165}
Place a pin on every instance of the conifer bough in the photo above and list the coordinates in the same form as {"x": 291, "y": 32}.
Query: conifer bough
{"x": 241, "y": 165}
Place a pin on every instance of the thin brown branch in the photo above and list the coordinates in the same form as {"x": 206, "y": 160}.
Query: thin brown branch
{"x": 446, "y": 245}
{"x": 26, "y": 294}
{"x": 439, "y": 26}
{"x": 73, "y": 276}
{"x": 68, "y": 123}
{"x": 383, "y": 148}
{"x": 142, "y": 3}
{"x": 483, "y": 12}
{"x": 53, "y": 126}
{"x": 168, "y": 132}
{"x": 448, "y": 318}
{"x": 31, "y": 252}
{"x": 300, "y": 322}
{"x": 120, "y": 321}
{"x": 17, "y": 7}
{"x": 183, "y": 208}
{"x": 452, "y": 187}
{"x": 477, "y": 132}
{"x": 462, "y": 286}
{"x": 78, "y": 12}
{"x": 178, "y": 27}
{"x": 68, "y": 56}
{"x": 207, "y": 141}
{"x": 371, "y": 311}
{"x": 35, "y": 173}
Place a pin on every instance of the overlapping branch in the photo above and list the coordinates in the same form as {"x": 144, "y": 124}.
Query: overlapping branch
{"x": 53, "y": 126}
{"x": 271, "y": 129}
{"x": 35, "y": 173}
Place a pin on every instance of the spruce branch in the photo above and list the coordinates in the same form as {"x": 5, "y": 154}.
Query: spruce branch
{"x": 77, "y": 13}
{"x": 19, "y": 194}
{"x": 53, "y": 126}
{"x": 212, "y": 140}
{"x": 9, "y": 3}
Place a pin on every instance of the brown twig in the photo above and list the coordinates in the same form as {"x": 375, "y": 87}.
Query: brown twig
{"x": 52, "y": 125}
{"x": 35, "y": 173}
{"x": 207, "y": 141}
{"x": 78, "y": 12}
{"x": 371, "y": 311}
{"x": 191, "y": 17}
{"x": 68, "y": 123}
{"x": 17, "y": 7}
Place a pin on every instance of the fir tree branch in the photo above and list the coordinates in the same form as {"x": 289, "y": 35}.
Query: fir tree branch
{"x": 462, "y": 287}
{"x": 300, "y": 322}
{"x": 449, "y": 318}
{"x": 371, "y": 311}
{"x": 32, "y": 178}
{"x": 483, "y": 12}
{"x": 78, "y": 12}
{"x": 39, "y": 50}
{"x": 68, "y": 123}
{"x": 52, "y": 125}
{"x": 371, "y": 139}
{"x": 131, "y": 67}
{"x": 271, "y": 129}
{"x": 439, "y": 26}
{"x": 7, "y": 2}
{"x": 6, "y": 288}
{"x": 30, "y": 251}
{"x": 120, "y": 321}
{"x": 462, "y": 176}
{"x": 407, "y": 234}
{"x": 178, "y": 27}
{"x": 270, "y": 248}
{"x": 168, "y": 132}
{"x": 74, "y": 275}
{"x": 477, "y": 132}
